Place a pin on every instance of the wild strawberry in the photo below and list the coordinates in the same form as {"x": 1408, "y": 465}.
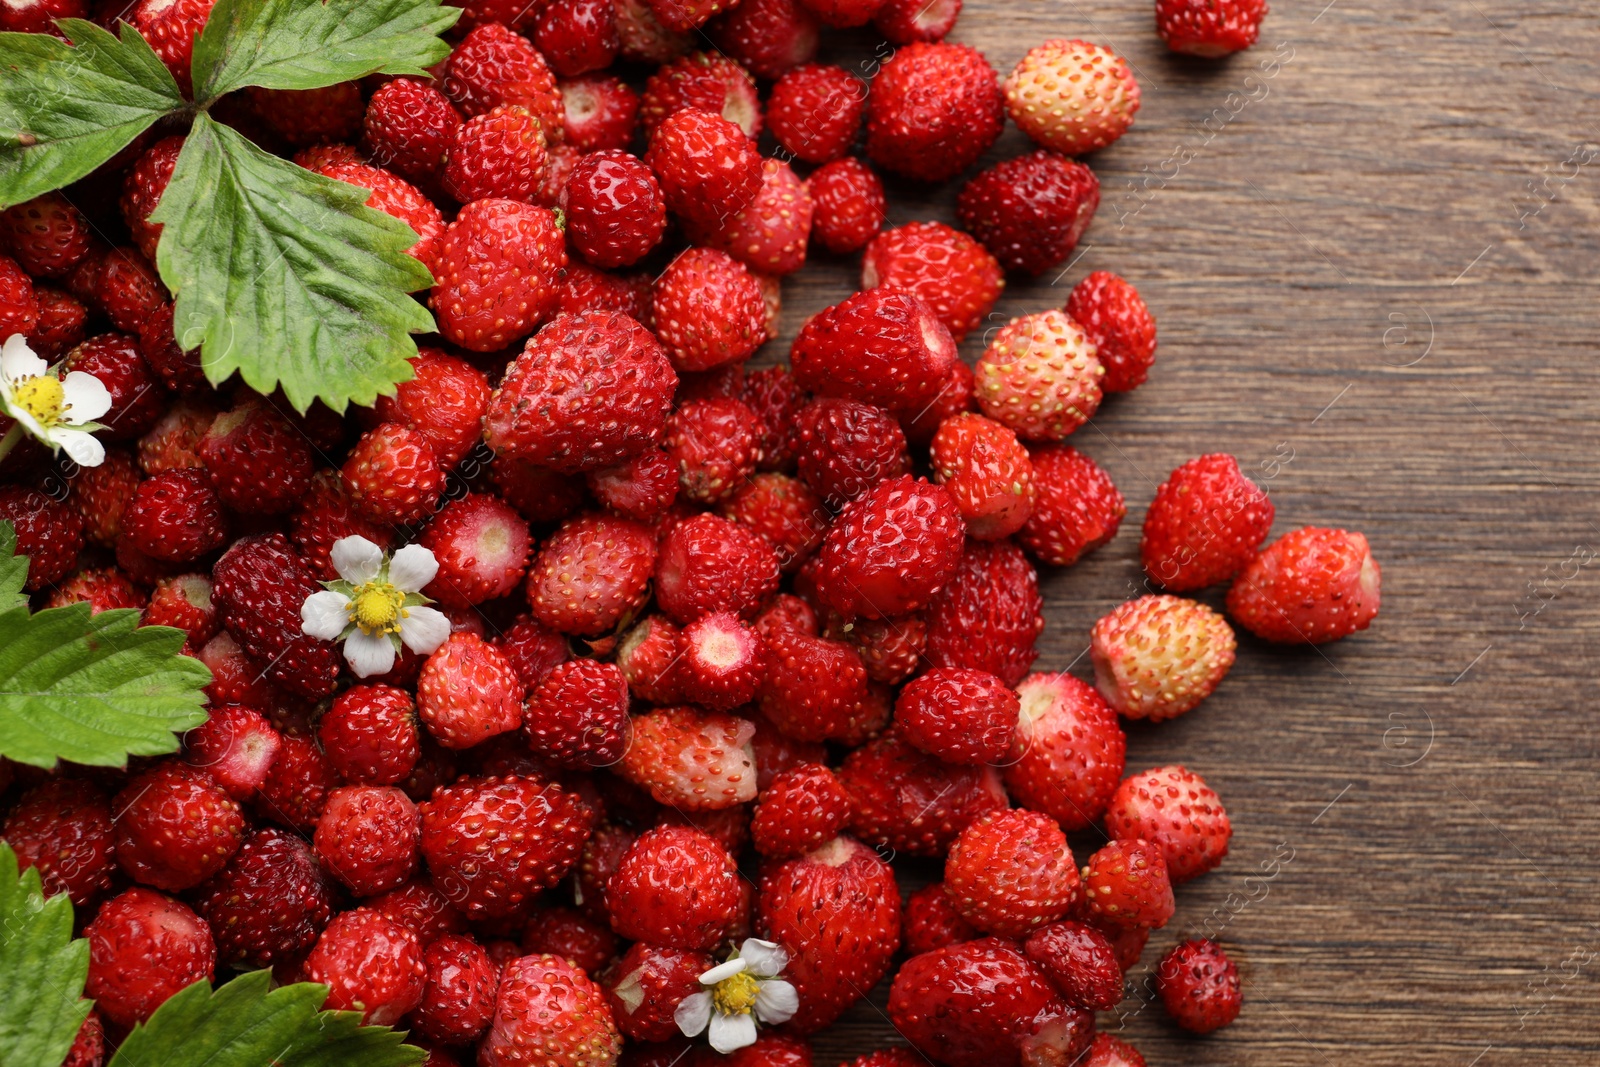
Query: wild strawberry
{"x": 723, "y": 661}
{"x": 844, "y": 13}
{"x": 495, "y": 66}
{"x": 367, "y": 838}
{"x": 572, "y": 935}
{"x": 1040, "y": 377}
{"x": 713, "y": 444}
{"x": 550, "y": 1012}
{"x": 127, "y": 288}
{"x": 769, "y": 37}
{"x": 544, "y": 497}
{"x": 137, "y": 398}
{"x": 170, "y": 26}
{"x": 370, "y": 734}
{"x": 1127, "y": 942}
{"x": 1030, "y": 212}
{"x": 500, "y": 153}
{"x": 708, "y": 310}
{"x": 259, "y": 587}
{"x": 1109, "y": 1051}
{"x": 369, "y": 964}
{"x": 913, "y": 802}
{"x": 692, "y": 759}
{"x": 329, "y": 114}
{"x": 577, "y": 716}
{"x": 644, "y": 38}
{"x": 783, "y": 511}
{"x": 475, "y": 13}
{"x": 143, "y": 948}
{"x": 1199, "y": 986}
{"x": 813, "y": 686}
{"x": 63, "y": 828}
{"x": 593, "y": 574}
{"x": 1125, "y": 885}
{"x": 62, "y": 324}
{"x": 457, "y": 993}
{"x": 899, "y": 1056}
{"x": 444, "y": 401}
{"x": 601, "y": 855}
{"x": 880, "y": 347}
{"x": 1069, "y": 750}
{"x": 586, "y": 392}
{"x": 174, "y": 442}
{"x": 19, "y": 308}
{"x": 102, "y": 588}
{"x": 984, "y": 1004}
{"x": 675, "y": 888}
{"x": 1159, "y": 656}
{"x": 944, "y": 268}
{"x": 599, "y": 111}
{"x": 1071, "y": 96}
{"x": 930, "y": 921}
{"x": 492, "y": 844}
{"x": 709, "y": 564}
{"x": 934, "y": 109}
{"x": 1204, "y": 525}
{"x": 408, "y": 127}
{"x": 708, "y": 169}
{"x": 960, "y": 716}
{"x": 49, "y": 533}
{"x": 397, "y": 197}
{"x": 837, "y": 910}
{"x": 815, "y": 111}
{"x": 1309, "y": 586}
{"x": 89, "y": 1047}
{"x": 649, "y": 657}
{"x": 1010, "y": 872}
{"x": 891, "y": 550}
{"x": 577, "y": 36}
{"x": 646, "y": 985}
{"x": 327, "y": 515}
{"x": 1173, "y": 809}
{"x": 848, "y": 205}
{"x": 1212, "y": 30}
{"x": 988, "y": 473}
{"x": 1115, "y": 318}
{"x": 497, "y": 267}
{"x": 770, "y": 234}
{"x": 904, "y": 22}
{"x": 47, "y": 235}
{"x": 710, "y": 82}
{"x": 175, "y": 826}
{"x": 953, "y": 398}
{"x": 615, "y": 214}
{"x": 298, "y": 782}
{"x": 1079, "y": 962}
{"x": 1076, "y": 506}
{"x": 235, "y": 677}
{"x": 685, "y": 16}
{"x": 393, "y": 474}
{"x": 236, "y": 746}
{"x": 259, "y": 464}
{"x": 774, "y": 396}
{"x": 531, "y": 648}
{"x": 421, "y": 908}
{"x": 890, "y": 649}
{"x": 803, "y": 808}
{"x": 846, "y": 448}
{"x": 481, "y": 545}
{"x": 640, "y": 488}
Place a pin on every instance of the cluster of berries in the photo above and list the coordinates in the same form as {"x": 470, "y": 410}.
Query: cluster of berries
{"x": 688, "y": 621}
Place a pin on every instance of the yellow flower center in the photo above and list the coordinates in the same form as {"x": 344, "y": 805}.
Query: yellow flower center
{"x": 42, "y": 397}
{"x": 378, "y": 608}
{"x": 736, "y": 995}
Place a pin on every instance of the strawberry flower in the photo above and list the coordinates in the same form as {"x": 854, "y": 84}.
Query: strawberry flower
{"x": 59, "y": 410}
{"x": 376, "y": 605}
{"x": 738, "y": 994}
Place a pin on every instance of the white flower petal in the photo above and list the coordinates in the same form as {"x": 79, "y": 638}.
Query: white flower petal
{"x": 693, "y": 1013}
{"x": 777, "y": 1001}
{"x": 731, "y": 1032}
{"x": 82, "y": 447}
{"x": 18, "y": 361}
{"x": 29, "y": 424}
{"x": 324, "y": 615}
{"x": 86, "y": 397}
{"x": 356, "y": 559}
{"x": 412, "y": 568}
{"x": 764, "y": 959}
{"x": 369, "y": 654}
{"x": 424, "y": 629}
{"x": 723, "y": 970}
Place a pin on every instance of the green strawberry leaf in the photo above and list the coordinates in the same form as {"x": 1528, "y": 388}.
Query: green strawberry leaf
{"x": 93, "y": 689}
{"x": 66, "y": 109}
{"x": 13, "y": 569}
{"x": 285, "y": 276}
{"x": 307, "y": 44}
{"x": 41, "y": 999}
{"x": 243, "y": 1025}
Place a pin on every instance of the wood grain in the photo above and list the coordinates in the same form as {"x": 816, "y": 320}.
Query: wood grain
{"x": 1349, "y": 268}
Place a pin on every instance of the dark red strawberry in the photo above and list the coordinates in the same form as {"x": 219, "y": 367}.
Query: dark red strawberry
{"x": 63, "y": 828}
{"x": 269, "y": 903}
{"x": 1030, "y": 212}
{"x": 988, "y": 616}
{"x": 910, "y": 801}
{"x": 1199, "y": 986}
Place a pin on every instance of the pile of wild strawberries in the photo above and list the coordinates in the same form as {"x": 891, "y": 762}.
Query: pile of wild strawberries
{"x": 706, "y": 646}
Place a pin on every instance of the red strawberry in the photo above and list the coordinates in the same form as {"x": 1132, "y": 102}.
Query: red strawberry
{"x": 260, "y": 585}
{"x": 984, "y": 1004}
{"x": 954, "y": 397}
{"x": 644, "y": 38}
{"x": 298, "y": 782}
{"x": 1071, "y": 96}
{"x": 174, "y": 442}
{"x": 887, "y": 1057}
{"x": 544, "y": 497}
{"x": 724, "y": 661}
{"x": 931, "y": 921}
{"x": 813, "y": 686}
{"x": 408, "y": 127}
{"x": 1030, "y": 212}
{"x": 47, "y": 235}
{"x": 549, "y": 1012}
{"x": 531, "y": 648}
{"x": 711, "y": 82}
{"x": 1079, "y": 962}
{"x": 1126, "y": 885}
{"x": 370, "y": 964}
{"x": 958, "y": 715}
{"x": 49, "y": 533}
{"x": 585, "y": 289}
{"x": 577, "y": 36}
{"x": 327, "y": 515}
{"x": 601, "y": 855}
{"x": 709, "y": 564}
{"x": 89, "y": 1047}
{"x": 143, "y": 948}
{"x": 986, "y": 470}
{"x": 708, "y": 169}
{"x": 571, "y": 934}
{"x": 692, "y": 759}
{"x": 708, "y": 310}
{"x": 127, "y": 288}
{"x": 644, "y": 988}
{"x": 684, "y": 16}
{"x": 236, "y": 745}
{"x": 912, "y": 802}
{"x": 846, "y": 448}
{"x": 934, "y": 109}
{"x": 1209, "y": 28}
{"x": 770, "y": 234}
{"x": 1069, "y": 750}
{"x": 493, "y": 843}
{"x": 803, "y": 808}
{"x": 137, "y": 398}
{"x": 369, "y": 734}
{"x": 577, "y": 716}
{"x": 367, "y": 838}
{"x": 1204, "y": 525}
{"x": 497, "y": 268}
{"x": 1173, "y": 809}
{"x": 586, "y": 392}
{"x": 1116, "y": 319}
{"x": 774, "y": 396}
{"x": 175, "y": 827}
{"x": 102, "y": 588}
{"x": 1159, "y": 656}
{"x": 599, "y": 111}
{"x": 848, "y": 205}
{"x": 19, "y": 308}
{"x": 837, "y": 912}
{"x": 62, "y": 324}
{"x": 1108, "y": 1051}
{"x": 768, "y": 36}
{"x": 330, "y": 114}
{"x": 495, "y": 66}
{"x": 393, "y": 474}
{"x": 783, "y": 511}
{"x": 815, "y": 111}
{"x": 399, "y": 198}
{"x": 615, "y": 213}
{"x": 640, "y": 487}
{"x": 500, "y": 153}
{"x": 1311, "y": 585}
{"x": 1076, "y": 506}
{"x": 988, "y": 616}
{"x": 63, "y": 828}
{"x": 40, "y": 17}
{"x": 891, "y": 550}
{"x": 1199, "y": 986}
{"x": 170, "y": 26}
{"x": 844, "y": 13}
{"x": 944, "y": 268}
{"x": 141, "y": 192}
{"x": 458, "y": 992}
{"x": 649, "y": 657}
{"x": 675, "y": 888}
{"x": 421, "y": 908}
{"x": 712, "y": 443}
{"x": 592, "y": 575}
{"x": 1040, "y": 377}
{"x": 890, "y": 649}
{"x": 879, "y": 347}
{"x": 102, "y": 495}
{"x": 259, "y": 463}
{"x": 1010, "y": 872}
{"x": 905, "y": 22}
{"x": 481, "y": 545}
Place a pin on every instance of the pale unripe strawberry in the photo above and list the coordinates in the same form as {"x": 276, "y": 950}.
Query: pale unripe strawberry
{"x": 1072, "y": 96}
{"x": 1159, "y": 656}
{"x": 1040, "y": 376}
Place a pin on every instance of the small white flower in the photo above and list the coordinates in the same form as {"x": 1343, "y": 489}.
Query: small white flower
{"x": 376, "y": 606}
{"x": 58, "y": 410}
{"x": 740, "y": 993}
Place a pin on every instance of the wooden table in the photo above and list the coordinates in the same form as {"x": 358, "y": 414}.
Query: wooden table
{"x": 1373, "y": 264}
